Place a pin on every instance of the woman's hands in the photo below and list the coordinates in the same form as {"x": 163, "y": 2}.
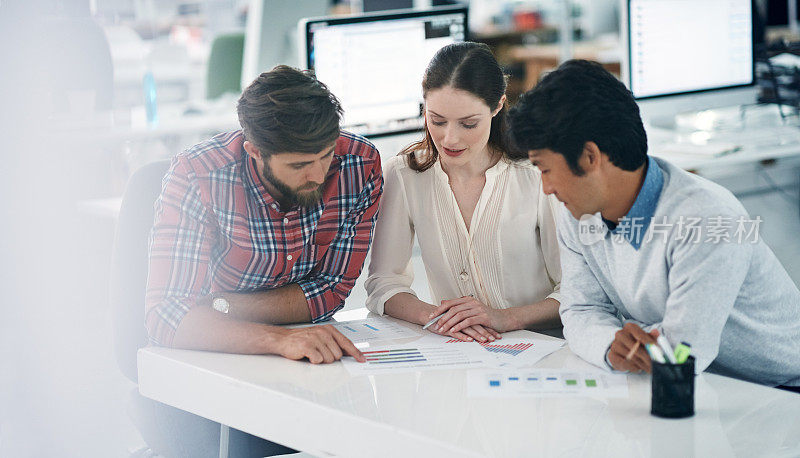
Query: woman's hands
{"x": 470, "y": 333}
{"x": 466, "y": 318}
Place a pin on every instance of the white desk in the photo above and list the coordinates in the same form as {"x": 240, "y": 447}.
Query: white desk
{"x": 324, "y": 411}
{"x": 760, "y": 134}
{"x": 173, "y": 122}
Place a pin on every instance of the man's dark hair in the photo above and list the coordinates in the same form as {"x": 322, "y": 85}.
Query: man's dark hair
{"x": 286, "y": 110}
{"x": 577, "y": 103}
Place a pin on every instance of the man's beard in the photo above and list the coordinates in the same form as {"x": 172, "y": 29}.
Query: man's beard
{"x": 305, "y": 196}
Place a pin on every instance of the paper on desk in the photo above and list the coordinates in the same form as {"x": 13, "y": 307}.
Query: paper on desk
{"x": 489, "y": 383}
{"x": 510, "y": 352}
{"x": 414, "y": 357}
{"x": 374, "y": 329}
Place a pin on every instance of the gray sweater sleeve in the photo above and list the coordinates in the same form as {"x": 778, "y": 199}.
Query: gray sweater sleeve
{"x": 704, "y": 281}
{"x": 590, "y": 319}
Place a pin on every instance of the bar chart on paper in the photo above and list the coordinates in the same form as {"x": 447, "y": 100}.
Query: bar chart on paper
{"x": 546, "y": 383}
{"x": 512, "y": 350}
{"x": 506, "y": 349}
{"x": 402, "y": 355}
{"x": 374, "y": 329}
{"x": 411, "y": 357}
{"x": 517, "y": 352}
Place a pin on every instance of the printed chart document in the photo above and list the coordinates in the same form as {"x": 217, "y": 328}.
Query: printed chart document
{"x": 374, "y": 329}
{"x": 510, "y": 352}
{"x": 545, "y": 383}
{"x": 414, "y": 357}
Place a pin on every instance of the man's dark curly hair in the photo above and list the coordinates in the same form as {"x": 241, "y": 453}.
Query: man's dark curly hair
{"x": 577, "y": 103}
{"x": 286, "y": 110}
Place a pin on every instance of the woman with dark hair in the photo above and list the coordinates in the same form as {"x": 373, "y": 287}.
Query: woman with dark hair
{"x": 485, "y": 228}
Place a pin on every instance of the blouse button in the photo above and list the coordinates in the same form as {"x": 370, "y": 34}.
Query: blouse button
{"x": 463, "y": 276}
{"x": 289, "y": 257}
{"x": 285, "y": 220}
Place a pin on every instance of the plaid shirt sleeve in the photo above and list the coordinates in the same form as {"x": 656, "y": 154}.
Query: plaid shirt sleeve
{"x": 180, "y": 246}
{"x": 330, "y": 282}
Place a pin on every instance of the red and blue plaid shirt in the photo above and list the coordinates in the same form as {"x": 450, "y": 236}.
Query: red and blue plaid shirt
{"x": 218, "y": 229}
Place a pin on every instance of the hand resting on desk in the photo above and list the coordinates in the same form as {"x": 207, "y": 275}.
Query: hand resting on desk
{"x": 467, "y": 312}
{"x": 469, "y": 333}
{"x": 320, "y": 344}
{"x": 204, "y": 328}
{"x": 408, "y": 307}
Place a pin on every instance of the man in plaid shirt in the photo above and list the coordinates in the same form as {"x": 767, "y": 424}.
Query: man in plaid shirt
{"x": 263, "y": 226}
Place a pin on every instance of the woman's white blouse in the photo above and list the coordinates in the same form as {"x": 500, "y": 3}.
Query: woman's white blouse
{"x": 514, "y": 252}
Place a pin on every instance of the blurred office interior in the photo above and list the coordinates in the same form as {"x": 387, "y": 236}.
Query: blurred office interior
{"x": 93, "y": 90}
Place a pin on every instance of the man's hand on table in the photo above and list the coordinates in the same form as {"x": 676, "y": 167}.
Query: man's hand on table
{"x": 320, "y": 344}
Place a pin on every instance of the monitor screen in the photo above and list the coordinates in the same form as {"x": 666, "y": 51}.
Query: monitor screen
{"x": 374, "y": 63}
{"x": 685, "y": 46}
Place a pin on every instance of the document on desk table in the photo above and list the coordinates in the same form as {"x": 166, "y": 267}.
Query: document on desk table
{"x": 488, "y": 383}
{"x": 414, "y": 357}
{"x": 374, "y": 329}
{"x": 508, "y": 352}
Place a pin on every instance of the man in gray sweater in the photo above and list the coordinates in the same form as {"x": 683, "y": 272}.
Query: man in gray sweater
{"x": 647, "y": 248}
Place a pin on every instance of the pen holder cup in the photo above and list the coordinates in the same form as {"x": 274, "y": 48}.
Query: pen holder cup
{"x": 673, "y": 389}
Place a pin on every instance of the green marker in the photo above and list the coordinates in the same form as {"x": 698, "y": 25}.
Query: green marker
{"x": 682, "y": 351}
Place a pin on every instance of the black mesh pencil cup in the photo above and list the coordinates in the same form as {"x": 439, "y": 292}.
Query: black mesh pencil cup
{"x": 673, "y": 389}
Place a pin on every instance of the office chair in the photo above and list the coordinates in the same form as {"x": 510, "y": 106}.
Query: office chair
{"x": 130, "y": 263}
{"x": 225, "y": 65}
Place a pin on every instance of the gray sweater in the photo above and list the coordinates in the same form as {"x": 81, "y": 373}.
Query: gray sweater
{"x": 696, "y": 271}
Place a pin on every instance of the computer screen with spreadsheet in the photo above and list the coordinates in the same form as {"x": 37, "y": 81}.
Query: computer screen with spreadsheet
{"x": 374, "y": 63}
{"x": 679, "y": 46}
{"x": 686, "y": 56}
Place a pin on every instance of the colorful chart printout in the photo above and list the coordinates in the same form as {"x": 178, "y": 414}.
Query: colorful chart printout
{"x": 374, "y": 329}
{"x": 545, "y": 382}
{"x": 517, "y": 352}
{"x": 411, "y": 357}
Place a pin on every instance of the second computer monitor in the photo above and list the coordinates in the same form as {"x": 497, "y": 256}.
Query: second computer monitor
{"x": 374, "y": 63}
{"x": 686, "y": 55}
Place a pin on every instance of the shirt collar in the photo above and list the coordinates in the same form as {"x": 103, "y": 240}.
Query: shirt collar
{"x": 634, "y": 224}
{"x": 491, "y": 172}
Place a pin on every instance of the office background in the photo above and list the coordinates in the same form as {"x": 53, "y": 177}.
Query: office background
{"x": 90, "y": 91}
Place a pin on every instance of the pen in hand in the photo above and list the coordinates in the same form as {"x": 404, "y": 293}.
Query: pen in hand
{"x": 433, "y": 320}
{"x": 429, "y": 323}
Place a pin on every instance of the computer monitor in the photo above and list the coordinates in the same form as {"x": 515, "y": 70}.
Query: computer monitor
{"x": 374, "y": 63}
{"x": 686, "y": 55}
{"x": 271, "y": 33}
